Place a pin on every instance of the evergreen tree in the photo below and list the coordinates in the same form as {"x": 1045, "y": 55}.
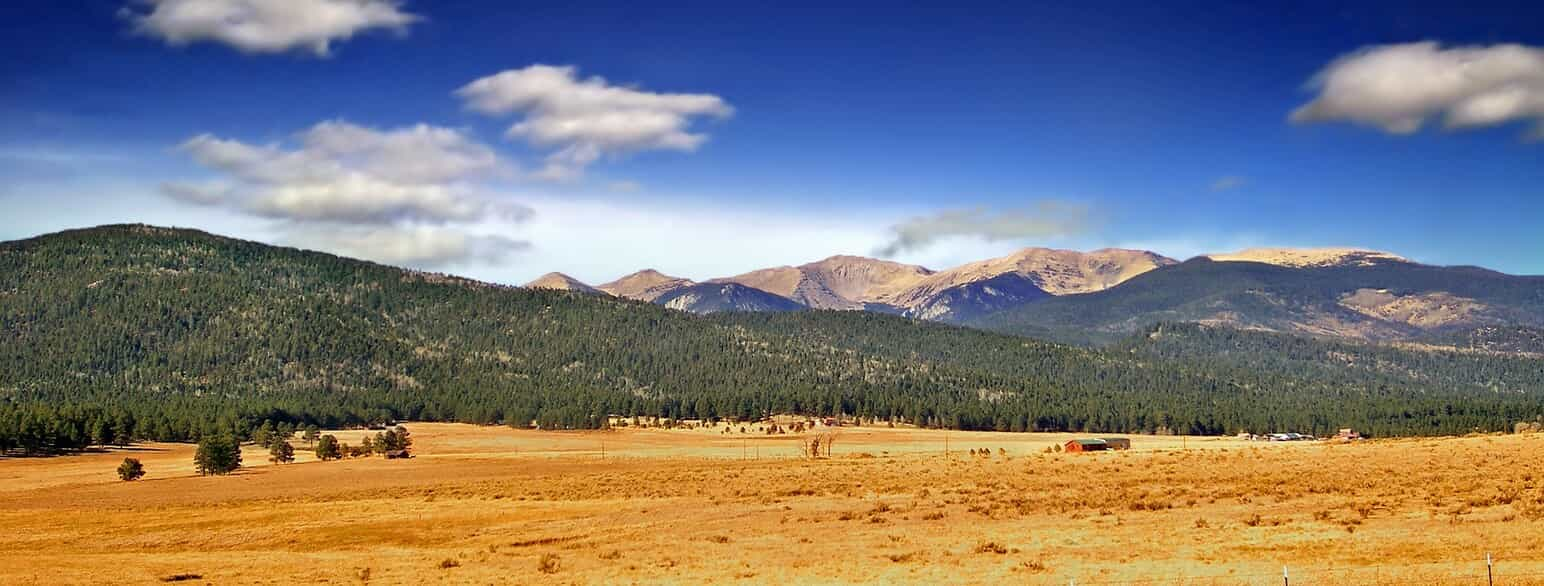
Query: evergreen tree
{"x": 327, "y": 448}
{"x": 281, "y": 452}
{"x": 131, "y": 470}
{"x": 311, "y": 433}
{"x": 217, "y": 455}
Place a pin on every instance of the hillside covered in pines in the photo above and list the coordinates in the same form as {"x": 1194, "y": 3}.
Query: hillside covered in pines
{"x": 141, "y": 332}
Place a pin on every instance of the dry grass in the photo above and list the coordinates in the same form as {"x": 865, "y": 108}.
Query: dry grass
{"x": 492, "y": 505}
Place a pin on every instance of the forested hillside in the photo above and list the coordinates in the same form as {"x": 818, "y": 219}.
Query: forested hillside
{"x": 141, "y": 332}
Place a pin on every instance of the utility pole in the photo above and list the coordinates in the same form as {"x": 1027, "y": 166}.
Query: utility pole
{"x": 1490, "y": 573}
{"x": 1284, "y": 580}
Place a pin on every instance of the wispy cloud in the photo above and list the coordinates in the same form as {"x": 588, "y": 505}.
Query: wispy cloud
{"x": 1228, "y": 183}
{"x": 265, "y": 26}
{"x": 417, "y": 246}
{"x": 585, "y": 119}
{"x": 1044, "y": 219}
{"x": 1397, "y": 88}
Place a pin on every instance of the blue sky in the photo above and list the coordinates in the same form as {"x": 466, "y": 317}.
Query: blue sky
{"x": 727, "y": 138}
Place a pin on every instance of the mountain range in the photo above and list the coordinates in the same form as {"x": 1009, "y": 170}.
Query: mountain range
{"x": 1102, "y": 295}
{"x": 859, "y": 283}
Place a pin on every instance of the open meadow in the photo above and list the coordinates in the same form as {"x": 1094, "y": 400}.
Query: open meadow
{"x": 495, "y": 505}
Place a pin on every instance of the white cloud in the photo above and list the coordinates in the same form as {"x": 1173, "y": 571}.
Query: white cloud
{"x": 1045, "y": 219}
{"x": 265, "y": 26}
{"x": 416, "y": 246}
{"x": 1399, "y": 87}
{"x": 401, "y": 196}
{"x": 348, "y": 173}
{"x": 585, "y": 119}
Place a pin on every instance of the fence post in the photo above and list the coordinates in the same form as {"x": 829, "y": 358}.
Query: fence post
{"x": 1490, "y": 573}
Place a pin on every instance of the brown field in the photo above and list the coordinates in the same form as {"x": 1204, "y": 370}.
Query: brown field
{"x": 492, "y": 505}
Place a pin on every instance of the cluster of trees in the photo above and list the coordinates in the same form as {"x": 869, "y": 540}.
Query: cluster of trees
{"x": 221, "y": 455}
{"x": 392, "y": 443}
{"x": 137, "y": 333}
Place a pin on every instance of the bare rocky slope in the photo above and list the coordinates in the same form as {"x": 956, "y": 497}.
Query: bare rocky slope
{"x": 560, "y": 282}
{"x": 838, "y": 282}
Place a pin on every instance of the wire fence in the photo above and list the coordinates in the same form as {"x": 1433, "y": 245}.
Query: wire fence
{"x": 1483, "y": 572}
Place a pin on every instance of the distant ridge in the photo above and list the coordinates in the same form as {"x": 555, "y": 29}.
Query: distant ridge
{"x": 1308, "y": 257}
{"x": 560, "y": 282}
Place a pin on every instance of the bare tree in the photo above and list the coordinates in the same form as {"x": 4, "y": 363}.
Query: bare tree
{"x": 817, "y": 445}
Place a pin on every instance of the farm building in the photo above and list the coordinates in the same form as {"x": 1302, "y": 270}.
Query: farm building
{"x": 397, "y": 454}
{"x": 1085, "y": 445}
{"x": 1117, "y": 443}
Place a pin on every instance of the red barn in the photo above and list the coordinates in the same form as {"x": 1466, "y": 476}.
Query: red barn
{"x": 1086, "y": 445}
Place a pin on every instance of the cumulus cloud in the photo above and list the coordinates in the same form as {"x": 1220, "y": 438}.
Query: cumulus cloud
{"x": 349, "y": 173}
{"x": 1045, "y": 219}
{"x": 1399, "y": 87}
{"x": 394, "y": 195}
{"x": 418, "y": 246}
{"x": 585, "y": 119}
{"x": 265, "y": 26}
{"x": 1228, "y": 183}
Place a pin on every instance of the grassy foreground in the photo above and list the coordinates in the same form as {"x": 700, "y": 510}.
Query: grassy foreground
{"x": 494, "y": 505}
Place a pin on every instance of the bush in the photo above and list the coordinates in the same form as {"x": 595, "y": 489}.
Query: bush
{"x": 549, "y": 563}
{"x": 217, "y": 455}
{"x": 131, "y": 469}
{"x": 991, "y": 547}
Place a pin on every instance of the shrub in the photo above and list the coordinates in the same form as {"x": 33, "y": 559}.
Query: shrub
{"x": 549, "y": 563}
{"x": 131, "y": 469}
{"x": 1034, "y": 566}
{"x": 991, "y": 547}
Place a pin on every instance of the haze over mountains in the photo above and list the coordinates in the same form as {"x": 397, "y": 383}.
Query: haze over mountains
{"x": 1105, "y": 294}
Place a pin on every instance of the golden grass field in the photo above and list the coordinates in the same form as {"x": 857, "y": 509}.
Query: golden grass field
{"x": 491, "y": 505}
